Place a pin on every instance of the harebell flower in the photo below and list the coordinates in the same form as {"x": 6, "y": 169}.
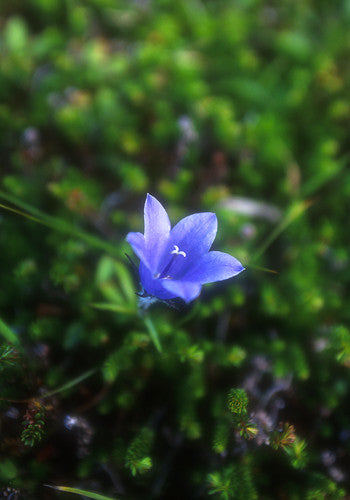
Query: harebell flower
{"x": 177, "y": 262}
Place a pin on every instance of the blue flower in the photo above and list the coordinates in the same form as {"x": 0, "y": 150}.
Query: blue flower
{"x": 177, "y": 262}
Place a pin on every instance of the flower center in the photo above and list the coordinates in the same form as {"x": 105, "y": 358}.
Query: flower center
{"x": 164, "y": 274}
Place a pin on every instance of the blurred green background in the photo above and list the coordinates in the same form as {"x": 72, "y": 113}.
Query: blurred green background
{"x": 241, "y": 107}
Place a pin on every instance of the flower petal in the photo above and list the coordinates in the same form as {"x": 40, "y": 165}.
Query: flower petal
{"x": 154, "y": 286}
{"x": 187, "y": 290}
{"x": 157, "y": 230}
{"x": 137, "y": 241}
{"x": 214, "y": 266}
{"x": 193, "y": 235}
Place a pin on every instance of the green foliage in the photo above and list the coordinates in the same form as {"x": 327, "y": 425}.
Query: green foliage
{"x": 137, "y": 458}
{"x": 221, "y": 437}
{"x": 7, "y": 333}
{"x": 34, "y": 424}
{"x": 7, "y": 356}
{"x": 8, "y": 470}
{"x": 237, "y": 401}
{"x": 116, "y": 286}
{"x": 325, "y": 489}
{"x": 340, "y": 343}
{"x": 235, "y": 107}
{"x": 234, "y": 482}
{"x": 284, "y": 437}
{"x": 296, "y": 450}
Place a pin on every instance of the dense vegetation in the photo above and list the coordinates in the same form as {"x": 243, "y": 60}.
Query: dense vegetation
{"x": 240, "y": 107}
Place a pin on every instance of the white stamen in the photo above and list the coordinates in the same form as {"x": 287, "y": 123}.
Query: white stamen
{"x": 164, "y": 274}
{"x": 178, "y": 252}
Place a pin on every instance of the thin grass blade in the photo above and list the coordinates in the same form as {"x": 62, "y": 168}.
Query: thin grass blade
{"x": 56, "y": 223}
{"x": 295, "y": 211}
{"x": 85, "y": 493}
{"x": 153, "y": 333}
{"x": 8, "y": 334}
{"x": 70, "y": 384}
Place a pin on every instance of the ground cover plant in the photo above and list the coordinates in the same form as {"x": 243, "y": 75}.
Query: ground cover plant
{"x": 239, "y": 108}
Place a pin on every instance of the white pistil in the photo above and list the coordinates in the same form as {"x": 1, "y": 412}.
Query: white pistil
{"x": 178, "y": 252}
{"x": 174, "y": 253}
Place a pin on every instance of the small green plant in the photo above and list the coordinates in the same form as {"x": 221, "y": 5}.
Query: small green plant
{"x": 221, "y": 437}
{"x": 138, "y": 459}
{"x": 283, "y": 436}
{"x": 237, "y": 402}
{"x": 8, "y": 356}
{"x": 233, "y": 482}
{"x": 297, "y": 453}
{"x": 34, "y": 424}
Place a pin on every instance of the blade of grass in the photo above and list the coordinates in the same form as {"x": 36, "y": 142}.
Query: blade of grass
{"x": 263, "y": 269}
{"x": 85, "y": 493}
{"x": 325, "y": 176}
{"x": 112, "y": 307}
{"x": 8, "y": 334}
{"x": 19, "y": 212}
{"x": 125, "y": 282}
{"x": 153, "y": 333}
{"x": 62, "y": 388}
{"x": 294, "y": 213}
{"x": 36, "y": 215}
{"x": 70, "y": 384}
